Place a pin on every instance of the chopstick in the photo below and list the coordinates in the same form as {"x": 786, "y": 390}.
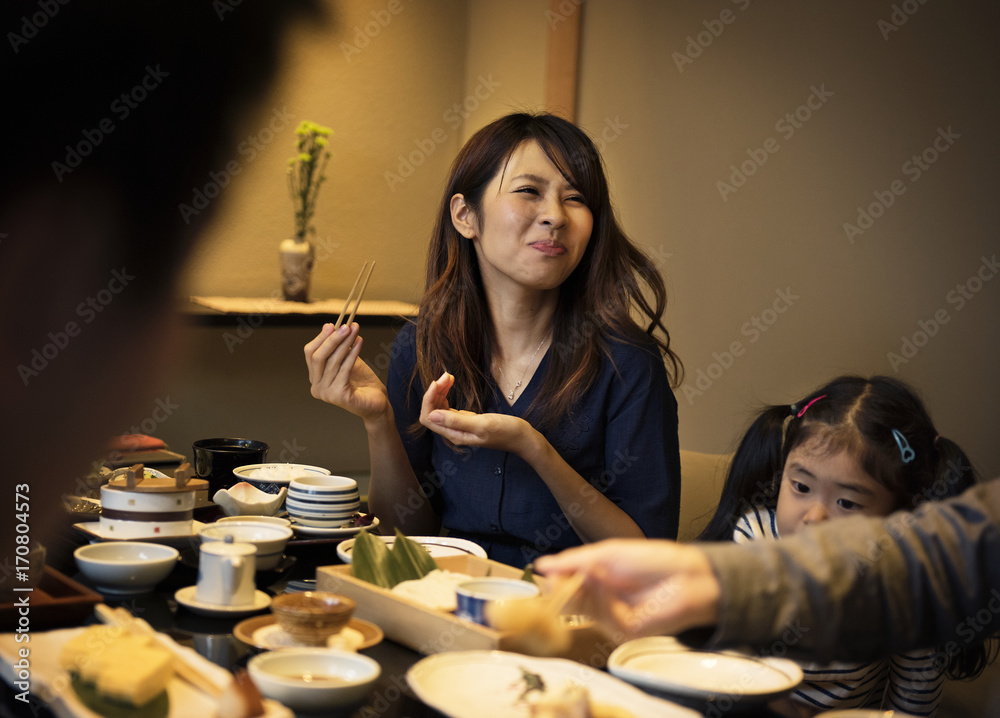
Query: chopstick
{"x": 137, "y": 626}
{"x": 357, "y": 303}
{"x": 565, "y": 591}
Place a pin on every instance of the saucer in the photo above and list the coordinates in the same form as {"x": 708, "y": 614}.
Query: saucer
{"x": 264, "y": 632}
{"x": 186, "y": 597}
{"x": 338, "y": 531}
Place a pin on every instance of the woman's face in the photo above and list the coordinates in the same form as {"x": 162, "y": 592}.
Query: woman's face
{"x": 533, "y": 227}
{"x": 818, "y": 485}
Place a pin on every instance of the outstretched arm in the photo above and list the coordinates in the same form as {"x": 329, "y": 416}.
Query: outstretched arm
{"x": 852, "y": 589}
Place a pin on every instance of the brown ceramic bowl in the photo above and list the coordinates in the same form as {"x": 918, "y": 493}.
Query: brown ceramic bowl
{"x": 312, "y": 616}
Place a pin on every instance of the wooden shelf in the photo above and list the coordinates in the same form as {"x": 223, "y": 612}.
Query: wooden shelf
{"x": 267, "y": 311}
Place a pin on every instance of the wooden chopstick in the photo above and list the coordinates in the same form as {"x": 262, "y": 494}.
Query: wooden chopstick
{"x": 340, "y": 319}
{"x": 564, "y": 592}
{"x": 361, "y": 294}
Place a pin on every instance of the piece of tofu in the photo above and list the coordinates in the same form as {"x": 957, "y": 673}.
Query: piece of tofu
{"x": 136, "y": 676}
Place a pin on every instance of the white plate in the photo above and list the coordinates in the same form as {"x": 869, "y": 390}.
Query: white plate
{"x": 94, "y": 530}
{"x": 665, "y": 666}
{"x": 488, "y": 684}
{"x": 187, "y": 598}
{"x": 436, "y": 546}
{"x": 316, "y": 531}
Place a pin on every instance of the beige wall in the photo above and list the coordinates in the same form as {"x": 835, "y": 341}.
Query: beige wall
{"x": 669, "y": 136}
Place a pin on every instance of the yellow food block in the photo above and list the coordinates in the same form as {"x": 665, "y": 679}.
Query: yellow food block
{"x": 135, "y": 676}
{"x": 82, "y": 650}
{"x": 113, "y": 656}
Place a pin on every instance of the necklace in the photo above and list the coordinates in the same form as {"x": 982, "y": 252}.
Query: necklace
{"x": 510, "y": 396}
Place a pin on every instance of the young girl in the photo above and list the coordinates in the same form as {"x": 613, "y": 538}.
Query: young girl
{"x": 854, "y": 446}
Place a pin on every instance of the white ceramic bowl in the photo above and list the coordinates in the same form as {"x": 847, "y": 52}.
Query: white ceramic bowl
{"x": 474, "y": 595}
{"x": 125, "y": 567}
{"x": 326, "y": 486}
{"x": 269, "y": 520}
{"x": 270, "y": 540}
{"x": 272, "y": 476}
{"x": 314, "y": 679}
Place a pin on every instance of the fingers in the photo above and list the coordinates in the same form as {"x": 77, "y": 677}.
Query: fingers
{"x": 331, "y": 355}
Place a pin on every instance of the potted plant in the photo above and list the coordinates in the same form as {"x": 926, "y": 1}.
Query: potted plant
{"x": 305, "y": 177}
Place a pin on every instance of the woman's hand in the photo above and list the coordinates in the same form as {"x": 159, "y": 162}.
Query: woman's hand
{"x": 643, "y": 587}
{"x": 339, "y": 377}
{"x": 466, "y": 428}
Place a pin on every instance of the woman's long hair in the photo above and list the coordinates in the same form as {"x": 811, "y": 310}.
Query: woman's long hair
{"x": 454, "y": 329}
{"x": 879, "y": 421}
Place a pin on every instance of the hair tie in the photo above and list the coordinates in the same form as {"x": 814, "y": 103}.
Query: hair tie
{"x": 806, "y": 407}
{"x": 906, "y": 453}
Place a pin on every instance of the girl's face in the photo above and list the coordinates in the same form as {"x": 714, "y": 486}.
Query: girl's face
{"x": 534, "y": 225}
{"x": 817, "y": 485}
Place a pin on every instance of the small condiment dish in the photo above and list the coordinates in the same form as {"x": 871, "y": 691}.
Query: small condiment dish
{"x": 125, "y": 567}
{"x": 475, "y": 595}
{"x": 311, "y": 680}
{"x": 244, "y": 499}
{"x": 312, "y": 616}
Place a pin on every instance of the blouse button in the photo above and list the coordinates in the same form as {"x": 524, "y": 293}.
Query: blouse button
{"x": 498, "y": 471}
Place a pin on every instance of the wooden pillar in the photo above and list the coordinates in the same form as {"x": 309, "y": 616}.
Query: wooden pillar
{"x": 563, "y": 57}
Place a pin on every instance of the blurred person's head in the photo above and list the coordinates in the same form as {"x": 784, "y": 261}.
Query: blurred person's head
{"x": 116, "y": 112}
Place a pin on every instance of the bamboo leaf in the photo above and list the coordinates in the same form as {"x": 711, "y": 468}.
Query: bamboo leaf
{"x": 411, "y": 560}
{"x": 370, "y": 560}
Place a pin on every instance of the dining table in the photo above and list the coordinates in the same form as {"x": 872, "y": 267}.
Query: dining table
{"x": 213, "y": 637}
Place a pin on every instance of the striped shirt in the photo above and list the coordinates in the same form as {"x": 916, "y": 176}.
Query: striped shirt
{"x": 908, "y": 682}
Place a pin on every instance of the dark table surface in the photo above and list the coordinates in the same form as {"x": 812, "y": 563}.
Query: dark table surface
{"x": 391, "y": 697}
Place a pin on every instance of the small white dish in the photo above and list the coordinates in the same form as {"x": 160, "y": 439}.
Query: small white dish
{"x": 437, "y": 546}
{"x": 331, "y": 532}
{"x": 473, "y": 596}
{"x": 245, "y": 499}
{"x": 125, "y": 568}
{"x": 269, "y": 520}
{"x": 272, "y": 476}
{"x": 269, "y": 540}
{"x": 666, "y": 667}
{"x": 186, "y": 597}
{"x": 314, "y": 679}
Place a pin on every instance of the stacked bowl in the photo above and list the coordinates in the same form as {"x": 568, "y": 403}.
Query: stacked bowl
{"x": 322, "y": 501}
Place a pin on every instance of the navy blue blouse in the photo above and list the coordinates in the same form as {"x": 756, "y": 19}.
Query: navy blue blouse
{"x": 621, "y": 437}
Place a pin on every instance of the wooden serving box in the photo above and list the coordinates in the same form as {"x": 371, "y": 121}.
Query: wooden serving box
{"x": 428, "y": 631}
{"x": 57, "y": 601}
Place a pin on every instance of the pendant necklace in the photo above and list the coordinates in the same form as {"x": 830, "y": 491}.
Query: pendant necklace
{"x": 510, "y": 396}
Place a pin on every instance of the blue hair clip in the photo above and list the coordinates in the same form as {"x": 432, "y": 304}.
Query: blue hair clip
{"x": 906, "y": 453}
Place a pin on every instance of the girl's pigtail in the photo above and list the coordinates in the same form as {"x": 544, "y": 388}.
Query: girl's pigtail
{"x": 753, "y": 474}
{"x": 953, "y": 472}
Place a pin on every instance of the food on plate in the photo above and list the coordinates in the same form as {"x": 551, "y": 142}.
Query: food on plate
{"x": 436, "y": 590}
{"x": 536, "y": 627}
{"x": 572, "y": 701}
{"x": 125, "y": 668}
{"x": 532, "y": 626}
{"x": 241, "y": 699}
{"x": 376, "y": 563}
{"x": 348, "y": 639}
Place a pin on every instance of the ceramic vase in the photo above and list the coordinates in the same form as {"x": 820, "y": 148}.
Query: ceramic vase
{"x": 297, "y": 257}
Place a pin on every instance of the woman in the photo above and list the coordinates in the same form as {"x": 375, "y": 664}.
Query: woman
{"x": 526, "y": 409}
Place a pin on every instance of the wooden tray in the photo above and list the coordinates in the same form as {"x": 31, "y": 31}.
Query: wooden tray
{"x": 57, "y": 601}
{"x": 428, "y": 631}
